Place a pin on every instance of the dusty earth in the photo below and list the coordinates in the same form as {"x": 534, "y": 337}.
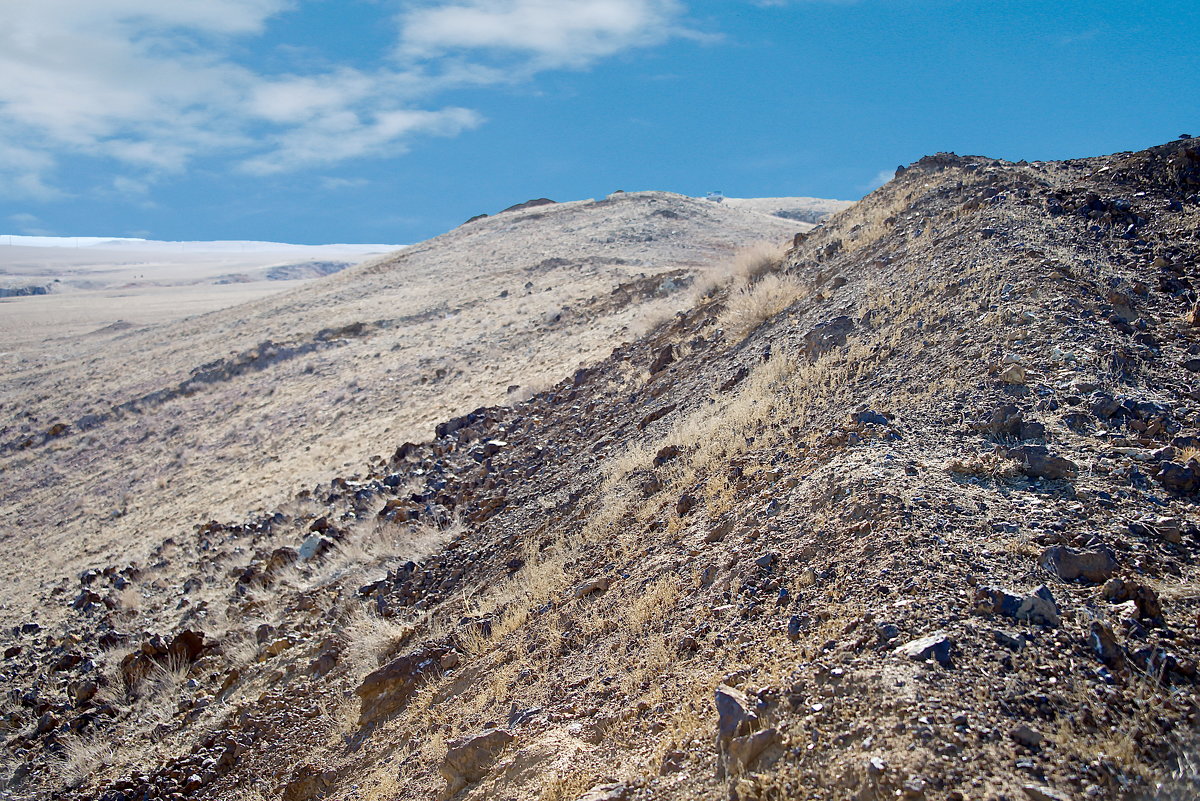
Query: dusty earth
{"x": 907, "y": 512}
{"x": 54, "y": 290}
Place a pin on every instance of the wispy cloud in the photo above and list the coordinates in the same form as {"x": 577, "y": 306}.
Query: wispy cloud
{"x": 152, "y": 85}
{"x": 28, "y": 224}
{"x": 335, "y": 183}
{"x": 881, "y": 178}
{"x": 552, "y": 33}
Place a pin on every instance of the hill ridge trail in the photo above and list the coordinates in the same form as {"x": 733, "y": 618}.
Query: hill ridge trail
{"x": 909, "y": 511}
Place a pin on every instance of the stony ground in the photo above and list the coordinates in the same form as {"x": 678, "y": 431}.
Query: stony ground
{"x": 114, "y": 439}
{"x": 911, "y": 513}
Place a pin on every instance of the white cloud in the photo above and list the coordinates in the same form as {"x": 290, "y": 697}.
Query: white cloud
{"x": 553, "y": 32}
{"x": 24, "y": 170}
{"x": 334, "y": 183}
{"x": 346, "y": 135}
{"x": 28, "y": 224}
{"x": 881, "y": 178}
{"x": 152, "y": 85}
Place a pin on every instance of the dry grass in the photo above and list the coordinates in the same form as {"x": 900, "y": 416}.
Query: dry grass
{"x": 1186, "y": 455}
{"x": 748, "y": 265}
{"x": 752, "y": 305}
{"x": 372, "y": 640}
{"x": 83, "y": 758}
{"x": 275, "y": 432}
{"x": 566, "y": 786}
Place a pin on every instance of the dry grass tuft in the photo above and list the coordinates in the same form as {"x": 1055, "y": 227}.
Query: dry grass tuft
{"x": 1186, "y": 455}
{"x": 751, "y": 264}
{"x": 372, "y": 640}
{"x": 83, "y": 758}
{"x": 748, "y": 266}
{"x": 755, "y": 303}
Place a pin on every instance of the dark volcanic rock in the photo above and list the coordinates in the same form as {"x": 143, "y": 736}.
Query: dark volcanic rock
{"x": 1036, "y": 607}
{"x": 1070, "y": 564}
{"x": 388, "y": 689}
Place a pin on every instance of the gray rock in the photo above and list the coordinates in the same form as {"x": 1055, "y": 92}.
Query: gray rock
{"x": 735, "y": 714}
{"x": 1069, "y": 564}
{"x": 469, "y": 758}
{"x": 936, "y": 646}
{"x": 1036, "y": 607}
{"x": 1036, "y": 461}
{"x": 1026, "y": 736}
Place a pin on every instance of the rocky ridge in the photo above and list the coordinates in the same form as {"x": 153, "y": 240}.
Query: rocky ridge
{"x": 928, "y": 532}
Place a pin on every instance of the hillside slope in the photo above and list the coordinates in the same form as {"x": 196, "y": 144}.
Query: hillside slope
{"x": 113, "y": 439}
{"x": 912, "y": 515}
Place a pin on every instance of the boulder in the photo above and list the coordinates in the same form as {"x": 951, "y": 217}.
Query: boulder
{"x": 937, "y": 646}
{"x": 1070, "y": 564}
{"x": 1036, "y": 461}
{"x": 388, "y": 689}
{"x": 469, "y": 758}
{"x": 1036, "y": 607}
{"x": 735, "y": 714}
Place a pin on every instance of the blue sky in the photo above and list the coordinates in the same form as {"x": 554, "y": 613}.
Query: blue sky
{"x": 389, "y": 121}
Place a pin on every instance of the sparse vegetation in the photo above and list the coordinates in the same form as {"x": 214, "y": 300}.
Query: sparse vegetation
{"x": 753, "y": 304}
{"x": 833, "y": 509}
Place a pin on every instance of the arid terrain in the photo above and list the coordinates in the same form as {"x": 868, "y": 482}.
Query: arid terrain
{"x": 608, "y": 500}
{"x": 56, "y": 289}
